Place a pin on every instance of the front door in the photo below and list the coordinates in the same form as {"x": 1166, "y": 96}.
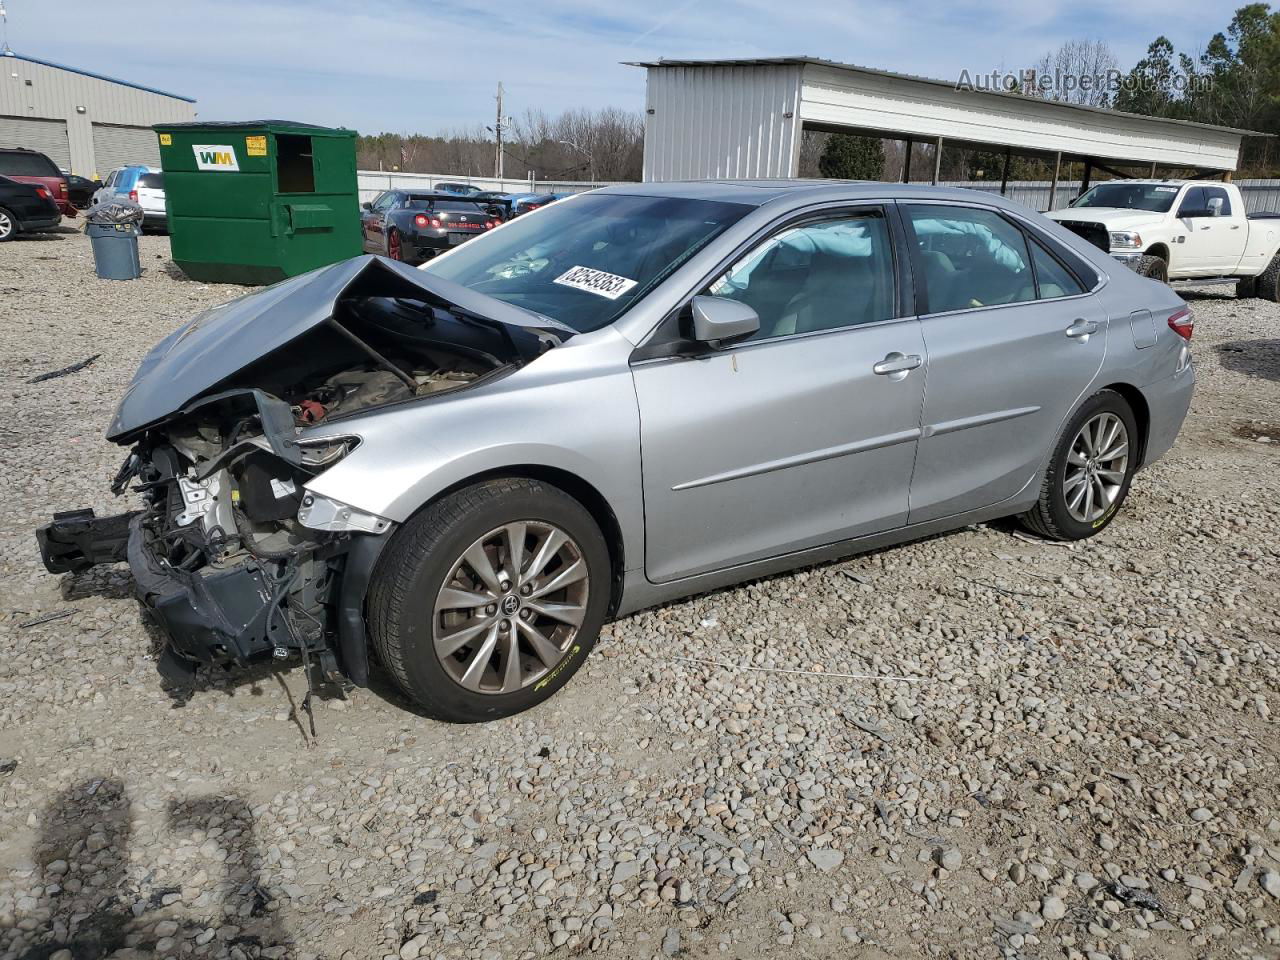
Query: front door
{"x": 802, "y": 436}
{"x": 372, "y": 221}
{"x": 1014, "y": 342}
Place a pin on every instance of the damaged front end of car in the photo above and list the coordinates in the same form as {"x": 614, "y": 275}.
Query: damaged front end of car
{"x": 232, "y": 554}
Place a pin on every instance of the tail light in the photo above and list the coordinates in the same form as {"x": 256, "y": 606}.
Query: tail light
{"x": 43, "y": 193}
{"x": 62, "y": 187}
{"x": 490, "y": 224}
{"x": 420, "y": 220}
{"x": 435, "y": 222}
{"x": 1183, "y": 323}
{"x": 133, "y": 196}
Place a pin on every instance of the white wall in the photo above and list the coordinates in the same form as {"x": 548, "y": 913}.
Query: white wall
{"x": 723, "y": 121}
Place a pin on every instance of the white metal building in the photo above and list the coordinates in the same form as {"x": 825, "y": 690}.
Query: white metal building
{"x": 744, "y": 118}
{"x": 86, "y": 123}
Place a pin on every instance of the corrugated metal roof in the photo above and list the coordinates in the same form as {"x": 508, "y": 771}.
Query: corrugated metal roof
{"x": 871, "y": 72}
{"x": 96, "y": 76}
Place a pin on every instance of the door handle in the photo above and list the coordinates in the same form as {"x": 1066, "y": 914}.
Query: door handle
{"x": 1081, "y": 329}
{"x": 896, "y": 365}
{"x": 1235, "y": 226}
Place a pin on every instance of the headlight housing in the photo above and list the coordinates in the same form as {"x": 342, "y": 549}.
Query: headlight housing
{"x": 1126, "y": 240}
{"x": 325, "y": 451}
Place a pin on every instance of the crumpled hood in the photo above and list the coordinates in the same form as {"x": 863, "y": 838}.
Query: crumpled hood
{"x": 1113, "y": 218}
{"x": 225, "y": 339}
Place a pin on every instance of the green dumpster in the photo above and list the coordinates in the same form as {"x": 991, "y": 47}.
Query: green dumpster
{"x": 259, "y": 201}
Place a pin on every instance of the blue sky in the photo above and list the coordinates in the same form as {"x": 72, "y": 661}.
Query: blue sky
{"x": 417, "y": 66}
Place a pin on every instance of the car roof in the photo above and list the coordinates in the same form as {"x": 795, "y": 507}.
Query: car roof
{"x": 759, "y": 192}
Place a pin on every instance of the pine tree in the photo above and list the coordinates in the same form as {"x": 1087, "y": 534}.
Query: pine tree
{"x": 848, "y": 157}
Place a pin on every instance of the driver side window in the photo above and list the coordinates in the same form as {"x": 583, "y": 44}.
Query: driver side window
{"x": 384, "y": 202}
{"x": 816, "y": 276}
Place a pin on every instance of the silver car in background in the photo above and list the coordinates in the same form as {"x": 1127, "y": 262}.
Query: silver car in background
{"x": 630, "y": 396}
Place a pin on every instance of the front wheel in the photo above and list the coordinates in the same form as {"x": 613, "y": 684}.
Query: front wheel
{"x": 1156, "y": 268}
{"x": 1089, "y": 474}
{"x": 489, "y": 600}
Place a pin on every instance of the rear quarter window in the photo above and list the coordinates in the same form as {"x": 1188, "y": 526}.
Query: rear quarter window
{"x": 27, "y": 165}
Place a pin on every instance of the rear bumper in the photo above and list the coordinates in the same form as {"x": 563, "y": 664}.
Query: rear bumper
{"x": 1168, "y": 401}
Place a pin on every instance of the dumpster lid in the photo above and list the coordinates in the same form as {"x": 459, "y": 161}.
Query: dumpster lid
{"x": 220, "y": 342}
{"x": 271, "y": 126}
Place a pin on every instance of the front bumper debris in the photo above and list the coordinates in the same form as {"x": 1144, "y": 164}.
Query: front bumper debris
{"x": 77, "y": 540}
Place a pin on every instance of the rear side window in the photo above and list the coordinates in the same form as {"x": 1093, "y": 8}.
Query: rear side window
{"x": 1052, "y": 278}
{"x": 970, "y": 258}
{"x": 153, "y": 180}
{"x": 817, "y": 276}
{"x": 27, "y": 165}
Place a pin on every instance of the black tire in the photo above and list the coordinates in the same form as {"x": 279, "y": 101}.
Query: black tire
{"x": 1246, "y": 288}
{"x": 1266, "y": 285}
{"x": 1050, "y": 517}
{"x": 1153, "y": 267}
{"x": 423, "y": 553}
{"x": 8, "y": 225}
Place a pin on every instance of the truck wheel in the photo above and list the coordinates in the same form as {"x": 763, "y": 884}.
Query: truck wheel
{"x": 1266, "y": 285}
{"x": 1153, "y": 267}
{"x": 489, "y": 600}
{"x": 1246, "y": 287}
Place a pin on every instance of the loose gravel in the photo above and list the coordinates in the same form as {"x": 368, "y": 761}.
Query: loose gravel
{"x": 1081, "y": 763}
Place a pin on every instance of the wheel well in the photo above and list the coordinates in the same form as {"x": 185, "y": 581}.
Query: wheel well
{"x": 1141, "y": 413}
{"x": 1157, "y": 250}
{"x": 580, "y": 490}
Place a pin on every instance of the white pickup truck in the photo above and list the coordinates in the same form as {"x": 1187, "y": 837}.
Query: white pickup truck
{"x": 1181, "y": 230}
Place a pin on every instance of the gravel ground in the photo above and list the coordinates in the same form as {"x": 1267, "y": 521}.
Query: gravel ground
{"x": 1083, "y": 764}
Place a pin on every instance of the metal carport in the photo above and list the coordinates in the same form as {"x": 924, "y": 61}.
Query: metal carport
{"x": 708, "y": 119}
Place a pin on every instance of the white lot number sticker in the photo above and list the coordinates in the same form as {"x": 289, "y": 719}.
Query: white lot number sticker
{"x": 215, "y": 156}
{"x": 1166, "y": 189}
{"x": 607, "y": 285}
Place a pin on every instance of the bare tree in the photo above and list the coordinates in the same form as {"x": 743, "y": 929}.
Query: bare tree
{"x": 1077, "y": 72}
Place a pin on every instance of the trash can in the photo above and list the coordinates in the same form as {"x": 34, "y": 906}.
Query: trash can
{"x": 261, "y": 200}
{"x": 113, "y": 230}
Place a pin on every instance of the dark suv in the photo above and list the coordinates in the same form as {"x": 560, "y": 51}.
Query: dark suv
{"x": 25, "y": 207}
{"x": 28, "y": 166}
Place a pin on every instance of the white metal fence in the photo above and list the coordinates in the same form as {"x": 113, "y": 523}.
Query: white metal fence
{"x": 1259, "y": 195}
{"x": 373, "y": 182}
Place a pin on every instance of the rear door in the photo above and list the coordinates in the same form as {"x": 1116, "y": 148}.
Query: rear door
{"x": 1227, "y": 230}
{"x": 1196, "y": 256}
{"x": 1014, "y": 342}
{"x": 802, "y": 436}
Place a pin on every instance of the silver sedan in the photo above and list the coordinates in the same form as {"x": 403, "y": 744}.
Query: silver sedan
{"x": 630, "y": 396}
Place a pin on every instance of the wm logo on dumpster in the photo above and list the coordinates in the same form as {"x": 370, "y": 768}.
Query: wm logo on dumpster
{"x": 215, "y": 156}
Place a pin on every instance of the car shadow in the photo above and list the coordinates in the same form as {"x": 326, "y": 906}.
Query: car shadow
{"x": 1254, "y": 358}
{"x": 95, "y": 897}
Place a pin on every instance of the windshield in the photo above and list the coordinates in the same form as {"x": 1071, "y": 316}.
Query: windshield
{"x": 585, "y": 260}
{"x": 1156, "y": 197}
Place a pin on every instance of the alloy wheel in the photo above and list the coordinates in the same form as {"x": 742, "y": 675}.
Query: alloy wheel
{"x": 510, "y": 609}
{"x": 393, "y": 245}
{"x": 6, "y": 225}
{"x": 1096, "y": 467}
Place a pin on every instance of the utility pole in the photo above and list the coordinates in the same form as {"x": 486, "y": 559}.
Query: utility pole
{"x": 497, "y": 129}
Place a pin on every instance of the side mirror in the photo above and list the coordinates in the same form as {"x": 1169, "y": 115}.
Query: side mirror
{"x": 719, "y": 322}
{"x": 366, "y": 206}
{"x": 1194, "y": 213}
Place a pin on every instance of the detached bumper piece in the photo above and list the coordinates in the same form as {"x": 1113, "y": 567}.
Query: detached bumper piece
{"x": 216, "y": 615}
{"x": 77, "y": 540}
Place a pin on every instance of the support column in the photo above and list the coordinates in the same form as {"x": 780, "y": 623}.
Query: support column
{"x": 937, "y": 162}
{"x": 1153, "y": 169}
{"x": 1053, "y": 184}
{"x": 1088, "y": 175}
{"x": 906, "y": 162}
{"x": 1004, "y": 177}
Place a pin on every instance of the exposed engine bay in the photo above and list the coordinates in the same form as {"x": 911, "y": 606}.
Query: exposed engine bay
{"x": 232, "y": 555}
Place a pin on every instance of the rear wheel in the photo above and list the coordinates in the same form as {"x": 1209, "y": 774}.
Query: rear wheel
{"x": 489, "y": 600}
{"x": 1154, "y": 267}
{"x": 1089, "y": 475}
{"x": 8, "y": 225}
{"x": 1267, "y": 284}
{"x": 394, "y": 250}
